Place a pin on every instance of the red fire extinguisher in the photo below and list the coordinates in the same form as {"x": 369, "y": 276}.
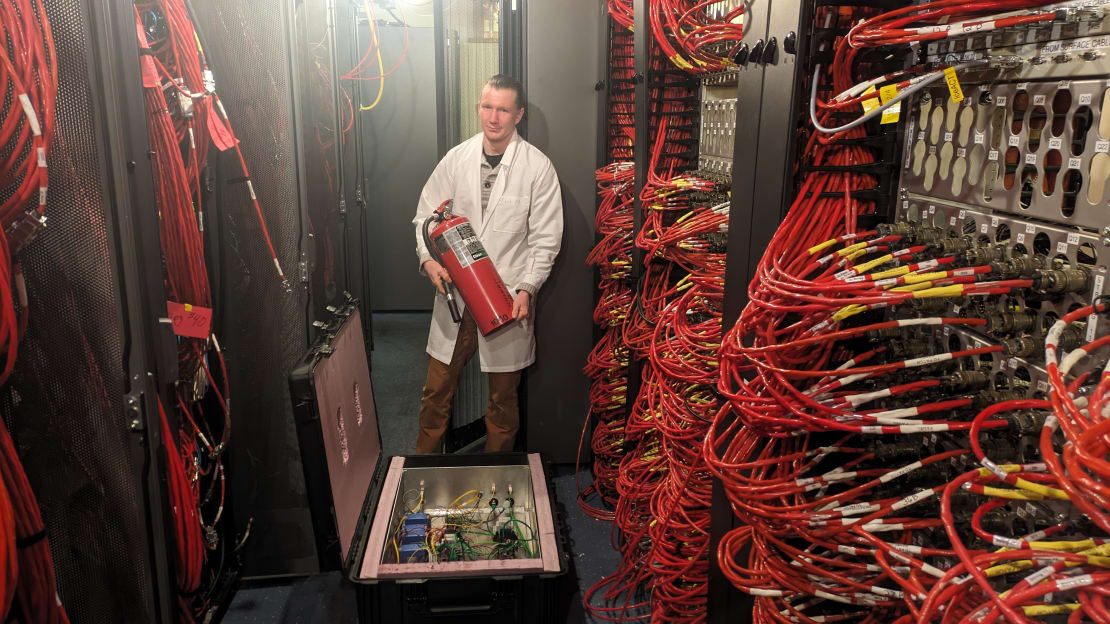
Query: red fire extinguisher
{"x": 454, "y": 244}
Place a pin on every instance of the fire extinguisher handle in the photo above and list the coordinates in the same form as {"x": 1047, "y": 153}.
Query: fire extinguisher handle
{"x": 453, "y": 306}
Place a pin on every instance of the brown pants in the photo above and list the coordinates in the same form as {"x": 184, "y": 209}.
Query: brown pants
{"x": 502, "y": 413}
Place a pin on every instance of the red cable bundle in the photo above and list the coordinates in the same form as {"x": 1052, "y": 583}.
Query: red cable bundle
{"x": 189, "y": 560}
{"x": 36, "y": 593}
{"x": 28, "y": 68}
{"x": 691, "y": 38}
{"x": 184, "y": 118}
{"x": 839, "y": 433}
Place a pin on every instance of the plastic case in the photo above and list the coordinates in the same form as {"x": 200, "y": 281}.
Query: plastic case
{"x": 357, "y": 495}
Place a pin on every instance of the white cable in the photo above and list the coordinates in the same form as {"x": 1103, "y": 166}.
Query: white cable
{"x": 902, "y": 95}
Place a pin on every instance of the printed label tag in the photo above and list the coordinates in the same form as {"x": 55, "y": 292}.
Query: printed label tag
{"x": 983, "y": 228}
{"x": 1038, "y": 100}
{"x": 932, "y": 149}
{"x": 980, "y": 138}
{"x": 1073, "y": 238}
{"x": 890, "y": 115}
{"x": 1061, "y": 247}
{"x": 1055, "y": 143}
{"x": 921, "y": 136}
{"x": 1021, "y": 238}
{"x": 951, "y": 221}
{"x": 992, "y": 155}
{"x": 1092, "y": 320}
{"x": 1074, "y": 163}
{"x": 961, "y": 152}
{"x": 1102, "y": 146}
{"x": 963, "y": 213}
{"x": 1084, "y": 99}
{"x": 1030, "y": 228}
{"x": 953, "y": 83}
{"x": 1030, "y": 159}
{"x": 947, "y": 137}
{"x": 1000, "y": 100}
{"x": 994, "y": 222}
{"x": 1013, "y": 141}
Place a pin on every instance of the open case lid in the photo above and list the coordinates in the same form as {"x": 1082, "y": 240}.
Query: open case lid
{"x": 346, "y": 473}
{"x": 337, "y": 426}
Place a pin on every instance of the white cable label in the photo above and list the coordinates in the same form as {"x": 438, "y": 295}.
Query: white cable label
{"x": 894, "y": 474}
{"x": 250, "y": 187}
{"x": 927, "y": 360}
{"x": 912, "y": 499}
{"x": 29, "y": 111}
{"x": 1082, "y": 580}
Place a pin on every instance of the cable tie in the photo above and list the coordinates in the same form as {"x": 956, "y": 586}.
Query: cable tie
{"x": 31, "y": 540}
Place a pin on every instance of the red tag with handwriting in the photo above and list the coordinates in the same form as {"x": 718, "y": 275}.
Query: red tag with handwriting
{"x": 189, "y": 320}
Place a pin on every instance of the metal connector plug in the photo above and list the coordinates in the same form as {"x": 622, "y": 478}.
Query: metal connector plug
{"x": 1006, "y": 61}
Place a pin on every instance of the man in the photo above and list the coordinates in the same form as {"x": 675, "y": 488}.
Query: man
{"x": 509, "y": 191}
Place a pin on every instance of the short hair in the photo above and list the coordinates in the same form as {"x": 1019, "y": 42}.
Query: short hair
{"x": 504, "y": 81}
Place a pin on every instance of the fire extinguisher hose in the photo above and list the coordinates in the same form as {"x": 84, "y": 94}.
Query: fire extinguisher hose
{"x": 448, "y": 289}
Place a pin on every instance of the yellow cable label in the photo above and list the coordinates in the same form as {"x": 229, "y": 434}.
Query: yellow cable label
{"x": 895, "y": 272}
{"x": 891, "y": 114}
{"x": 851, "y": 248}
{"x": 913, "y": 287}
{"x": 924, "y": 277}
{"x": 953, "y": 84}
{"x": 823, "y": 246}
{"x": 954, "y": 290}
{"x": 681, "y": 62}
{"x": 870, "y": 103}
{"x": 867, "y": 266}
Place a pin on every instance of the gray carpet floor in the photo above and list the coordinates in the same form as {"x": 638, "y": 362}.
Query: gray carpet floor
{"x": 398, "y": 364}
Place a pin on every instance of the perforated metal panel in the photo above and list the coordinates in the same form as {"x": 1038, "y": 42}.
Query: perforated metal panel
{"x": 322, "y": 131}
{"x": 263, "y": 327}
{"x": 66, "y": 410}
{"x": 1037, "y": 149}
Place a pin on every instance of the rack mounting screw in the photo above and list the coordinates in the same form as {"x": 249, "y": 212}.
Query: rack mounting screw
{"x": 1106, "y": 236}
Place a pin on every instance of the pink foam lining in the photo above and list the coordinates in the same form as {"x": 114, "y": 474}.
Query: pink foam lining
{"x": 373, "y": 568}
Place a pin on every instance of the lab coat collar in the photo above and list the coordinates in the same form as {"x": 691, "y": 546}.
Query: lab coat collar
{"x": 502, "y": 177}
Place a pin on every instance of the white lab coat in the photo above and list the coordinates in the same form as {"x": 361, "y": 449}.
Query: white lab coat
{"x": 522, "y": 232}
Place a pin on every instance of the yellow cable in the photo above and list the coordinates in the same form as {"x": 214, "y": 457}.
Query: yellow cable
{"x": 378, "y": 51}
{"x": 1035, "y": 610}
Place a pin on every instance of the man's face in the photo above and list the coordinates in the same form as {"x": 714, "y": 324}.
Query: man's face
{"x": 498, "y": 112}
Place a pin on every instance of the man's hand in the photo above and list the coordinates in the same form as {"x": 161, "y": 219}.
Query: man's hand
{"x": 522, "y": 305}
{"x": 438, "y": 275}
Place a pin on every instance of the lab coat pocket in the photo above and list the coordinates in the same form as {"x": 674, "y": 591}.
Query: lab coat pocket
{"x": 511, "y": 216}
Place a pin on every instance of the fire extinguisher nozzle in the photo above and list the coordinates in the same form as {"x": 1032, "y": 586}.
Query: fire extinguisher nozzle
{"x": 453, "y": 306}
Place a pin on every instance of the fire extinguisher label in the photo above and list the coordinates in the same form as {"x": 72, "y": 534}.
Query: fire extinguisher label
{"x": 465, "y": 244}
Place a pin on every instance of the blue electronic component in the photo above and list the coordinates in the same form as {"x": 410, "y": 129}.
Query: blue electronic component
{"x": 413, "y": 553}
{"x": 414, "y": 529}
